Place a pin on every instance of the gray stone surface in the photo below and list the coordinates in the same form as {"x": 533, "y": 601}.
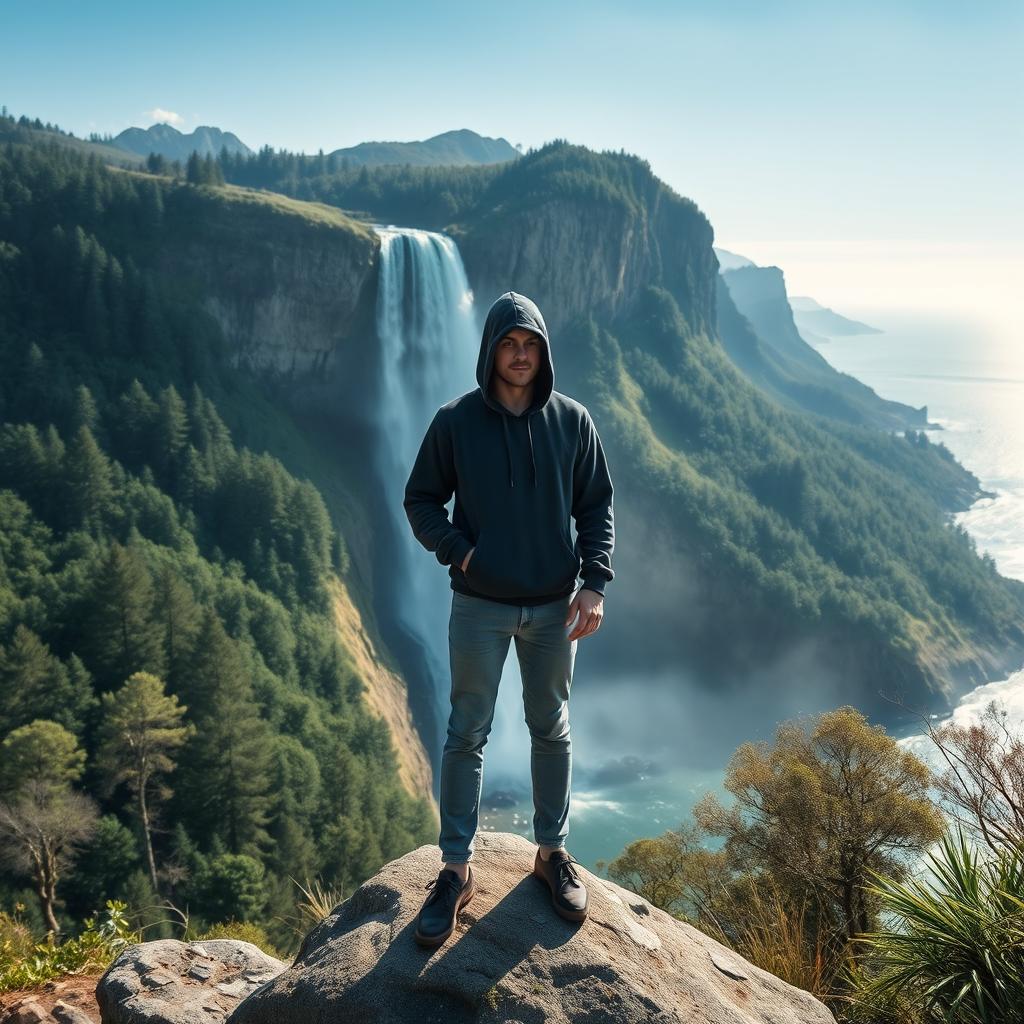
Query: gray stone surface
{"x": 172, "y": 982}
{"x": 65, "y": 1013}
{"x": 512, "y": 958}
{"x": 27, "y": 1011}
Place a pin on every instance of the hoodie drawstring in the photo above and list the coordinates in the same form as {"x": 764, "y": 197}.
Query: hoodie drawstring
{"x": 529, "y": 434}
{"x": 508, "y": 450}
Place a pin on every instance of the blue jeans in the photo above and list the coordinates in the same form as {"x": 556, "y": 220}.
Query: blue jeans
{"x": 478, "y": 640}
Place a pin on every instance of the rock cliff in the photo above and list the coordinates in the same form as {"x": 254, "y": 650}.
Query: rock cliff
{"x": 511, "y": 959}
{"x": 758, "y": 330}
{"x": 577, "y": 256}
{"x": 286, "y": 281}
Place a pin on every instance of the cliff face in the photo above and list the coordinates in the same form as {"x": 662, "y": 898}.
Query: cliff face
{"x": 758, "y": 331}
{"x": 576, "y": 257}
{"x": 283, "y": 279}
{"x": 760, "y": 295}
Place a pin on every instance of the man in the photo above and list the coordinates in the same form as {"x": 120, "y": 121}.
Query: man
{"x": 520, "y": 458}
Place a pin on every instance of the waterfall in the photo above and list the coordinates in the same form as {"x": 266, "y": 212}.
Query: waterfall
{"x": 429, "y": 333}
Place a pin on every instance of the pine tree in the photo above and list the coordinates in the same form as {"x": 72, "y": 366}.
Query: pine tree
{"x": 137, "y": 417}
{"x": 141, "y": 731}
{"x": 35, "y": 684}
{"x": 24, "y": 463}
{"x": 41, "y": 752}
{"x": 34, "y": 394}
{"x": 86, "y": 413}
{"x": 117, "y": 306}
{"x": 150, "y": 331}
{"x": 171, "y": 437}
{"x": 95, "y": 311}
{"x": 178, "y": 613}
{"x": 122, "y": 635}
{"x": 194, "y": 169}
{"x": 226, "y": 771}
{"x": 89, "y": 482}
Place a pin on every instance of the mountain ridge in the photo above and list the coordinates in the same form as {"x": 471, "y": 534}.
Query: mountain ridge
{"x": 173, "y": 144}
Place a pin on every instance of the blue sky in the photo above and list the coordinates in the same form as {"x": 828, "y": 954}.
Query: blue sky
{"x": 798, "y": 128}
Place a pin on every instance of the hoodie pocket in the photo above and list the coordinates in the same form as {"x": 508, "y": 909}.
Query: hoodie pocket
{"x": 530, "y": 567}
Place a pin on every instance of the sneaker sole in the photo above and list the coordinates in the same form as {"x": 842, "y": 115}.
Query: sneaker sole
{"x": 437, "y": 940}
{"x": 569, "y": 915}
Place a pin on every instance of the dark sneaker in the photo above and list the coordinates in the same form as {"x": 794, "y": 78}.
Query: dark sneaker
{"x": 568, "y": 893}
{"x": 437, "y": 916}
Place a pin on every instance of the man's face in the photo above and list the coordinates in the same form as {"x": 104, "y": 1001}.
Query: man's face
{"x": 517, "y": 357}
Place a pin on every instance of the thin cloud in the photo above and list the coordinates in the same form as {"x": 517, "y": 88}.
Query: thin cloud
{"x": 162, "y": 116}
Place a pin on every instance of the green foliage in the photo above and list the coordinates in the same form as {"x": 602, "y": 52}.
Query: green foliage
{"x": 15, "y": 935}
{"x": 93, "y": 950}
{"x": 139, "y": 534}
{"x": 226, "y": 787}
{"x": 102, "y": 868}
{"x": 232, "y": 886}
{"x": 203, "y": 170}
{"x": 242, "y": 931}
{"x": 34, "y": 684}
{"x": 957, "y": 947}
{"x": 822, "y": 806}
{"x": 440, "y": 195}
{"x": 41, "y": 752}
{"x": 140, "y": 730}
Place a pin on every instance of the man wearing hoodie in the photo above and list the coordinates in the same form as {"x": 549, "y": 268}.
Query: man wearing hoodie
{"x": 520, "y": 458}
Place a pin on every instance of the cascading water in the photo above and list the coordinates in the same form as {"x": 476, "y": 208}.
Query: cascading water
{"x": 429, "y": 332}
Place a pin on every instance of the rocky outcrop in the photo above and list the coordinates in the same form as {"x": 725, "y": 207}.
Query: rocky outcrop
{"x": 513, "y": 959}
{"x": 577, "y": 256}
{"x": 283, "y": 279}
{"x": 757, "y": 328}
{"x": 172, "y": 982}
{"x": 775, "y": 357}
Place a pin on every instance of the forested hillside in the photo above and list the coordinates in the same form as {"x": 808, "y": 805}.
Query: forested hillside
{"x": 746, "y": 530}
{"x": 151, "y": 561}
{"x": 767, "y": 527}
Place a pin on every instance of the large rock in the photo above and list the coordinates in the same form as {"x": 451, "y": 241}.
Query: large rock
{"x": 512, "y": 958}
{"x": 172, "y": 982}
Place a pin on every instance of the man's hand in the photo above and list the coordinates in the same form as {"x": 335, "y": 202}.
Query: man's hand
{"x": 590, "y": 606}
{"x": 465, "y": 561}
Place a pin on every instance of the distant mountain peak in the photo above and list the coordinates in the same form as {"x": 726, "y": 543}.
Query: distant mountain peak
{"x": 730, "y": 260}
{"x": 460, "y": 146}
{"x": 168, "y": 141}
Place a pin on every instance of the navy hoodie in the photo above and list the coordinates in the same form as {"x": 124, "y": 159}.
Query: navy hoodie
{"x": 517, "y": 479}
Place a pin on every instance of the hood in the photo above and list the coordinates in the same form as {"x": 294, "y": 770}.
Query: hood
{"x": 514, "y": 310}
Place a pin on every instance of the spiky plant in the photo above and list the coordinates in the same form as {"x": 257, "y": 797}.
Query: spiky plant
{"x": 958, "y": 952}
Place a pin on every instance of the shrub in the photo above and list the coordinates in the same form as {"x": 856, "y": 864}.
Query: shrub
{"x": 244, "y": 931}
{"x": 958, "y": 952}
{"x": 93, "y": 950}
